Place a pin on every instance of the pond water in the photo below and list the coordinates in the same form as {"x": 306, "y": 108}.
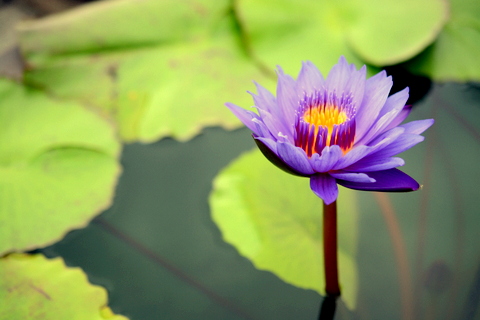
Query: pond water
{"x": 160, "y": 256}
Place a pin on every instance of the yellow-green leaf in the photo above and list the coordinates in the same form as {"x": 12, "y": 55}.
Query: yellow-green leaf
{"x": 454, "y": 55}
{"x": 388, "y": 32}
{"x": 33, "y": 287}
{"x": 156, "y": 68}
{"x": 378, "y": 32}
{"x": 58, "y": 167}
{"x": 275, "y": 220}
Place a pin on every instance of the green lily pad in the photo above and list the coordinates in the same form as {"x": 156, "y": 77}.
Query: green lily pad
{"x": 389, "y": 32}
{"x": 275, "y": 220}
{"x": 155, "y": 68}
{"x": 287, "y": 31}
{"x": 34, "y": 287}
{"x": 454, "y": 55}
{"x": 58, "y": 163}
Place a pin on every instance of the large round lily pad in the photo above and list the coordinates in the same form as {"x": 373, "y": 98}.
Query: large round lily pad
{"x": 275, "y": 220}
{"x": 58, "y": 164}
{"x": 454, "y": 55}
{"x": 155, "y": 68}
{"x": 388, "y": 32}
{"x": 33, "y": 287}
{"x": 379, "y": 32}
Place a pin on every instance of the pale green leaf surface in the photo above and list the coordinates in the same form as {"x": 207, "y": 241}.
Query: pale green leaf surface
{"x": 369, "y": 31}
{"x": 183, "y": 89}
{"x": 119, "y": 24}
{"x": 286, "y": 32}
{"x": 275, "y": 220}
{"x": 58, "y": 165}
{"x": 454, "y": 55}
{"x": 156, "y": 68}
{"x": 389, "y": 32}
{"x": 33, "y": 287}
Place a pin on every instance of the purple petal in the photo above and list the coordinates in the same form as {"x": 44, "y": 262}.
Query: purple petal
{"x": 402, "y": 143}
{"x": 262, "y": 129}
{"x": 418, "y": 126}
{"x": 356, "y": 85}
{"x": 245, "y": 116}
{"x": 377, "y": 89}
{"x": 309, "y": 79}
{"x": 271, "y": 144}
{"x": 392, "y": 108}
{"x": 264, "y": 99}
{"x": 401, "y": 116}
{"x": 360, "y": 152}
{"x": 351, "y": 157}
{"x": 396, "y": 102}
{"x": 294, "y": 157}
{"x": 328, "y": 159}
{"x": 353, "y": 177}
{"x": 389, "y": 136}
{"x": 287, "y": 99}
{"x": 368, "y": 165}
{"x": 275, "y": 159}
{"x": 338, "y": 75}
{"x": 392, "y": 180}
{"x": 271, "y": 123}
{"x": 345, "y": 78}
{"x": 375, "y": 130}
{"x": 325, "y": 187}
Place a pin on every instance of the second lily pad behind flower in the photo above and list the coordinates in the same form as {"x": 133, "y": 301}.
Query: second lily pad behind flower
{"x": 344, "y": 129}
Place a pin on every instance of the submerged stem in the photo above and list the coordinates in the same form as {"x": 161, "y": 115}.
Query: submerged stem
{"x": 330, "y": 249}
{"x": 327, "y": 310}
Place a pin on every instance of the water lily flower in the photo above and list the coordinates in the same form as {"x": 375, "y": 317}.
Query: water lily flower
{"x": 344, "y": 129}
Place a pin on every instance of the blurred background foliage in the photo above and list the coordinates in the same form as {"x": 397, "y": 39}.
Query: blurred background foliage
{"x": 79, "y": 82}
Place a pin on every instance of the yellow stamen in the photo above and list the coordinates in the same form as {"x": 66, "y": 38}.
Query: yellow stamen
{"x": 327, "y": 116}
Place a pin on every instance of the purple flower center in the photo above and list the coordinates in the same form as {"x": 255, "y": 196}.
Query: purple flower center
{"x": 325, "y": 119}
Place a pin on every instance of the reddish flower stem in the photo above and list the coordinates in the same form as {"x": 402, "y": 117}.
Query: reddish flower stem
{"x": 330, "y": 249}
